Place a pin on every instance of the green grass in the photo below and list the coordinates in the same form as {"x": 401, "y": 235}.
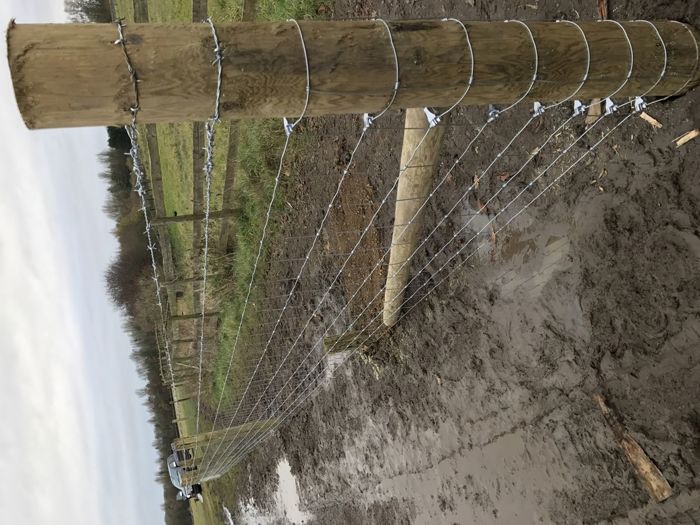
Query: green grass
{"x": 175, "y": 149}
{"x": 124, "y": 9}
{"x": 284, "y": 9}
{"x": 225, "y": 10}
{"x": 170, "y": 10}
{"x": 259, "y": 145}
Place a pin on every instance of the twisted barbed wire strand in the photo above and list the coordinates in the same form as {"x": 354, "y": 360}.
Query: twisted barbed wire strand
{"x": 210, "y": 128}
{"x": 137, "y": 169}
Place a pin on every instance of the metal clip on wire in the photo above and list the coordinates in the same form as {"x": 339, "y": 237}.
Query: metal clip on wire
{"x": 537, "y": 109}
{"x": 367, "y": 120}
{"x": 610, "y": 106}
{"x": 579, "y": 108}
{"x": 639, "y": 104}
{"x": 433, "y": 119}
{"x": 288, "y": 126}
{"x": 493, "y": 113}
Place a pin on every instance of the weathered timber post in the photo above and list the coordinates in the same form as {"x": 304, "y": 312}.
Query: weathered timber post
{"x": 195, "y": 217}
{"x": 415, "y": 181}
{"x": 74, "y": 75}
{"x": 184, "y": 317}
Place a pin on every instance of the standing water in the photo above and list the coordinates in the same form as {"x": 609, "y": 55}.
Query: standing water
{"x": 286, "y": 504}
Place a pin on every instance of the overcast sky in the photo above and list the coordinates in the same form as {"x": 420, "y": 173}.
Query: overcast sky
{"x": 75, "y": 443}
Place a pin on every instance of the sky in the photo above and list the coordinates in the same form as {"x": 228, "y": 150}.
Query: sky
{"x": 75, "y": 444}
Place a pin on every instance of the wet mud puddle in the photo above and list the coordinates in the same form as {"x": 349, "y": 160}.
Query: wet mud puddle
{"x": 286, "y": 505}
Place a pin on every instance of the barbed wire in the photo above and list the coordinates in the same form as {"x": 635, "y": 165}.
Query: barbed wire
{"x": 137, "y": 169}
{"x": 210, "y": 129}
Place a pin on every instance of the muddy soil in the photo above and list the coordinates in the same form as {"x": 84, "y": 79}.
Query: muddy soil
{"x": 478, "y": 407}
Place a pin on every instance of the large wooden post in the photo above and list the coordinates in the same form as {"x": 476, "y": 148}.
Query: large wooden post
{"x": 74, "y": 75}
{"x": 419, "y": 157}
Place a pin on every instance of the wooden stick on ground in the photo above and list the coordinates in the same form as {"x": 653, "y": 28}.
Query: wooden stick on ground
{"x": 651, "y": 120}
{"x": 651, "y": 476}
{"x": 687, "y": 137}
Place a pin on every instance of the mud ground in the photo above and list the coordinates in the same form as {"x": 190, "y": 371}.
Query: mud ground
{"x": 481, "y": 410}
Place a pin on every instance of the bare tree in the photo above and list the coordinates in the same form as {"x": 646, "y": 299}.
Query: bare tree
{"x": 88, "y": 10}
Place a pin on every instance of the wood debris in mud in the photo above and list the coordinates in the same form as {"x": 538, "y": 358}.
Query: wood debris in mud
{"x": 652, "y": 478}
{"x": 596, "y": 181}
{"x": 494, "y": 243}
{"x": 651, "y": 120}
{"x": 686, "y": 137}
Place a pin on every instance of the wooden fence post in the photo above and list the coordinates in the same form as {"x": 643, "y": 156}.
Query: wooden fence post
{"x": 74, "y": 75}
{"x": 414, "y": 186}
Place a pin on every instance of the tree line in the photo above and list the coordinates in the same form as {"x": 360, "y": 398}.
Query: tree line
{"x": 130, "y": 286}
{"x": 99, "y": 11}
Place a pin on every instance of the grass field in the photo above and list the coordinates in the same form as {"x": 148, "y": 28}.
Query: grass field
{"x": 258, "y": 148}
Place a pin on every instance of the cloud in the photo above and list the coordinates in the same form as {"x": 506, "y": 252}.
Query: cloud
{"x": 75, "y": 441}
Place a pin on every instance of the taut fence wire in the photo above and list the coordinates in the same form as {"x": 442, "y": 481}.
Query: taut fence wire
{"x": 314, "y": 296}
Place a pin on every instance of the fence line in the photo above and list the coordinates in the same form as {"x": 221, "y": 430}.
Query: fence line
{"x": 368, "y": 122}
{"x": 638, "y": 106}
{"x": 434, "y": 120}
{"x": 228, "y": 450}
{"x": 537, "y": 112}
{"x": 493, "y": 115}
